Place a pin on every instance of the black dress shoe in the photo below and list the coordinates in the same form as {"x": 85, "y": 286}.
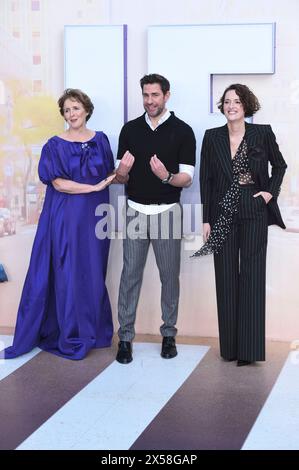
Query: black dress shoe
{"x": 168, "y": 347}
{"x": 124, "y": 353}
{"x": 241, "y": 363}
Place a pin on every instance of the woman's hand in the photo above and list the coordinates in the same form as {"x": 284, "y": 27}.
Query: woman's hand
{"x": 267, "y": 196}
{"x": 206, "y": 230}
{"x": 104, "y": 183}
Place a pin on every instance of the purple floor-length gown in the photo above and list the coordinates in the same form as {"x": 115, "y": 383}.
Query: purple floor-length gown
{"x": 65, "y": 307}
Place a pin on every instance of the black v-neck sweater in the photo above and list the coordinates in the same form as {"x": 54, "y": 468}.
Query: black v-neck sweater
{"x": 173, "y": 142}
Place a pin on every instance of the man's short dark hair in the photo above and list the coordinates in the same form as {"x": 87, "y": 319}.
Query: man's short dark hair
{"x": 155, "y": 78}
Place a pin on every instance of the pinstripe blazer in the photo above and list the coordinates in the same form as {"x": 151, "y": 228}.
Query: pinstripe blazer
{"x": 216, "y": 168}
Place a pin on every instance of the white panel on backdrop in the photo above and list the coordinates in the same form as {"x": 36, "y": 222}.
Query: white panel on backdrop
{"x": 189, "y": 55}
{"x": 95, "y": 62}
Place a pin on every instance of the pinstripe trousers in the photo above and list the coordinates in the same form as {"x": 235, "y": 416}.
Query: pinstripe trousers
{"x": 240, "y": 271}
{"x": 164, "y": 231}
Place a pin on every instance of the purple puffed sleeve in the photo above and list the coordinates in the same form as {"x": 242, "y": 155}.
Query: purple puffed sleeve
{"x": 50, "y": 165}
{"x": 109, "y": 160}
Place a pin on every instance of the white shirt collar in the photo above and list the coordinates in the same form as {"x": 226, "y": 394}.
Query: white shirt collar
{"x": 161, "y": 120}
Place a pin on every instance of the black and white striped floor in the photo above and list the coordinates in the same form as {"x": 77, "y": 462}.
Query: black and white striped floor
{"x": 194, "y": 401}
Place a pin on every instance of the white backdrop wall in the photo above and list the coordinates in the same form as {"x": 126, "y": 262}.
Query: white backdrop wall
{"x": 279, "y": 96}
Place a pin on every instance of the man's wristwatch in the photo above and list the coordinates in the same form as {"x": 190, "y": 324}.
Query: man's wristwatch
{"x": 168, "y": 179}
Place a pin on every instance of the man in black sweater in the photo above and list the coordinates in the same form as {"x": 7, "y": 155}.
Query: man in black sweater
{"x": 156, "y": 159}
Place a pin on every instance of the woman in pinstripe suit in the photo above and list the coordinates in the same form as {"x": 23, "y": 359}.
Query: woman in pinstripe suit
{"x": 239, "y": 202}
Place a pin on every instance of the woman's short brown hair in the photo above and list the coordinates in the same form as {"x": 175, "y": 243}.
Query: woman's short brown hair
{"x": 249, "y": 101}
{"x": 76, "y": 95}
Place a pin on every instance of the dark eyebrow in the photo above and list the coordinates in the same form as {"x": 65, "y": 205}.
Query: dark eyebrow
{"x": 154, "y": 93}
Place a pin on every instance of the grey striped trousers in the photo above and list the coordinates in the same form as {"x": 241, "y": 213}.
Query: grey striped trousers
{"x": 164, "y": 231}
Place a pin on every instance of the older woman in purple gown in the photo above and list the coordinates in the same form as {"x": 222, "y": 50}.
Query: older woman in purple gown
{"x": 65, "y": 307}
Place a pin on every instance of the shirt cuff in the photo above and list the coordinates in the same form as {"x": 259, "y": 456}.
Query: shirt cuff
{"x": 189, "y": 169}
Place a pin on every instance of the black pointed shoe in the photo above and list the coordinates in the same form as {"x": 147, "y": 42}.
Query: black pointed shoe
{"x": 124, "y": 353}
{"x": 168, "y": 347}
{"x": 241, "y": 363}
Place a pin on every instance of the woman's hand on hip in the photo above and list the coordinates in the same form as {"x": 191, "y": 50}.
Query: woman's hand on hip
{"x": 206, "y": 230}
{"x": 267, "y": 196}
